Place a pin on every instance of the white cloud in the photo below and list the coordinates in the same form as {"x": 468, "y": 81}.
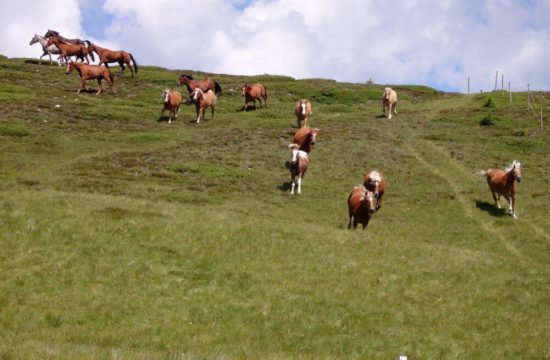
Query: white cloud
{"x": 439, "y": 43}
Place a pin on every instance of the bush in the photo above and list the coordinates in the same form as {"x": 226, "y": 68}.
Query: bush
{"x": 490, "y": 103}
{"x": 489, "y": 120}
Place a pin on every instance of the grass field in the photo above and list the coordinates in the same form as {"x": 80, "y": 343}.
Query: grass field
{"x": 125, "y": 237}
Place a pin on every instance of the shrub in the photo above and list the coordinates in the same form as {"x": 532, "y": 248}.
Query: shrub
{"x": 490, "y": 103}
{"x": 489, "y": 120}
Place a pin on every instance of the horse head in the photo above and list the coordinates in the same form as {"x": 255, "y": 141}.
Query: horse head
{"x": 70, "y": 67}
{"x": 374, "y": 179}
{"x": 34, "y": 39}
{"x": 369, "y": 200}
{"x": 515, "y": 170}
{"x": 313, "y": 135}
{"x": 294, "y": 149}
{"x": 196, "y": 95}
{"x": 166, "y": 96}
{"x": 303, "y": 105}
{"x": 245, "y": 89}
{"x": 183, "y": 79}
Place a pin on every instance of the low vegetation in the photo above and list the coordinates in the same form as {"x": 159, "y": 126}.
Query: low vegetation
{"x": 124, "y": 236}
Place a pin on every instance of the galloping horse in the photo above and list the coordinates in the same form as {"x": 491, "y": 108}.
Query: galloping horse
{"x": 302, "y": 111}
{"x": 503, "y": 183}
{"x": 253, "y": 92}
{"x": 360, "y": 206}
{"x": 202, "y": 101}
{"x": 66, "y": 50}
{"x": 88, "y": 72}
{"x": 107, "y": 56}
{"x": 298, "y": 164}
{"x": 305, "y": 138}
{"x": 48, "y": 50}
{"x": 55, "y": 34}
{"x": 204, "y": 85}
{"x": 172, "y": 102}
{"x": 389, "y": 101}
{"x": 375, "y": 182}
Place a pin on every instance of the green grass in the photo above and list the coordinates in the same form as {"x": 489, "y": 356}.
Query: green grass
{"x": 124, "y": 236}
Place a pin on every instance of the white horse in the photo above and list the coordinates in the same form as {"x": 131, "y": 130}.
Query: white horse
{"x": 389, "y": 101}
{"x": 48, "y": 50}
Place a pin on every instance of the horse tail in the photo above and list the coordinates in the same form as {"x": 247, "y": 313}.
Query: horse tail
{"x": 87, "y": 44}
{"x": 134, "y": 61}
{"x": 218, "y": 88}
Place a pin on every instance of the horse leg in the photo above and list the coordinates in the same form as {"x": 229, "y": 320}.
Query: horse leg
{"x": 389, "y": 110}
{"x": 212, "y": 117}
{"x": 378, "y": 202}
{"x": 100, "y": 90}
{"x": 513, "y": 206}
{"x": 82, "y": 85}
{"x": 395, "y": 108}
{"x": 495, "y": 197}
{"x": 200, "y": 113}
{"x": 299, "y": 184}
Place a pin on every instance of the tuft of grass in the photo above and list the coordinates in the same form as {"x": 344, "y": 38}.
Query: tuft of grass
{"x": 490, "y": 103}
{"x": 13, "y": 132}
{"x": 489, "y": 120}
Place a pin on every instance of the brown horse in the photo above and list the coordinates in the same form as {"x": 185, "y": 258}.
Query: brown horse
{"x": 203, "y": 100}
{"x": 389, "y": 101}
{"x": 172, "y": 102}
{"x": 67, "y": 50}
{"x": 503, "y": 183}
{"x": 298, "y": 164}
{"x": 253, "y": 93}
{"x": 305, "y": 138}
{"x": 88, "y": 72}
{"x": 374, "y": 181}
{"x": 204, "y": 85}
{"x": 360, "y": 206}
{"x": 303, "y": 111}
{"x": 107, "y": 56}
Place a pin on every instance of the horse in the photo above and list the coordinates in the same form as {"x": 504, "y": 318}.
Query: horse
{"x": 66, "y": 50}
{"x": 360, "y": 206}
{"x": 502, "y": 182}
{"x": 202, "y": 101}
{"x": 305, "y": 138}
{"x": 107, "y": 56}
{"x": 55, "y": 34}
{"x": 389, "y": 101}
{"x": 88, "y": 72}
{"x": 172, "y": 102}
{"x": 298, "y": 164}
{"x": 253, "y": 92}
{"x": 375, "y": 182}
{"x": 302, "y": 111}
{"x": 48, "y": 50}
{"x": 204, "y": 85}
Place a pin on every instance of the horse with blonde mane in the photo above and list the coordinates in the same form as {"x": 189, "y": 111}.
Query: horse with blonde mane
{"x": 360, "y": 206}
{"x": 374, "y": 181}
{"x": 305, "y": 138}
{"x": 303, "y": 112}
{"x": 298, "y": 164}
{"x": 389, "y": 101}
{"x": 203, "y": 100}
{"x": 503, "y": 182}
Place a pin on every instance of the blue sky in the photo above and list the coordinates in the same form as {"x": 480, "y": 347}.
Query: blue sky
{"x": 439, "y": 43}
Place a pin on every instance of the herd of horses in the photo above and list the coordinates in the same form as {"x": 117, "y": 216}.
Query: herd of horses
{"x": 363, "y": 201}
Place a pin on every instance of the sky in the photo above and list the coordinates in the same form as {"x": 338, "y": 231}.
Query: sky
{"x": 439, "y": 43}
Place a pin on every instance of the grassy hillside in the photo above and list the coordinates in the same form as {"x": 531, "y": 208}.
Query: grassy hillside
{"x": 126, "y": 237}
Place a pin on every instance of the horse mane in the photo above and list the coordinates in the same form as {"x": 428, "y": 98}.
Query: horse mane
{"x": 515, "y": 163}
{"x": 375, "y": 176}
{"x": 190, "y": 77}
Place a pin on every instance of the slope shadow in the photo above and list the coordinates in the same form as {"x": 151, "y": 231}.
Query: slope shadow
{"x": 490, "y": 208}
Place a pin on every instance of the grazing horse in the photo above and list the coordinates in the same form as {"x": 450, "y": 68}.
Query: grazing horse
{"x": 305, "y": 138}
{"x": 389, "y": 101}
{"x": 503, "y": 183}
{"x": 172, "y": 102}
{"x": 88, "y": 72}
{"x": 303, "y": 112}
{"x": 375, "y": 182}
{"x": 55, "y": 34}
{"x": 253, "y": 92}
{"x": 66, "y": 50}
{"x": 202, "y": 101}
{"x": 107, "y": 56}
{"x": 360, "y": 206}
{"x": 204, "y": 85}
{"x": 298, "y": 164}
{"x": 48, "y": 50}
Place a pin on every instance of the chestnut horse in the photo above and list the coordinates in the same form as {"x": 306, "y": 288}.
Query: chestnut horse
{"x": 107, "y": 56}
{"x": 298, "y": 164}
{"x": 302, "y": 110}
{"x": 305, "y": 138}
{"x": 172, "y": 102}
{"x": 48, "y": 50}
{"x": 202, "y": 101}
{"x": 503, "y": 183}
{"x": 88, "y": 72}
{"x": 204, "y": 85}
{"x": 375, "y": 182}
{"x": 253, "y": 93}
{"x": 360, "y": 206}
{"x": 66, "y": 50}
{"x": 389, "y": 101}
